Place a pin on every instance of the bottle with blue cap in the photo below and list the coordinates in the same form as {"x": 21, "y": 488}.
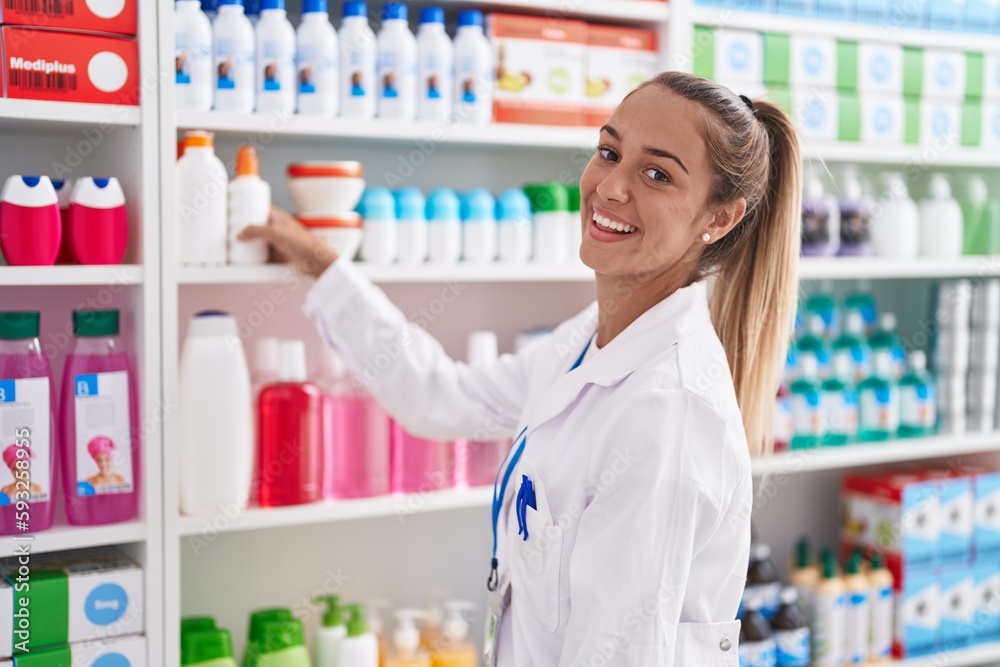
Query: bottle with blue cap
{"x": 444, "y": 227}
{"x": 233, "y": 46}
{"x": 514, "y": 227}
{"x": 474, "y": 70}
{"x": 436, "y": 69}
{"x": 275, "y": 59}
{"x": 397, "y": 65}
{"x": 358, "y": 55}
{"x": 479, "y": 227}
{"x": 381, "y": 240}
{"x": 410, "y": 210}
{"x": 317, "y": 60}
{"x": 192, "y": 56}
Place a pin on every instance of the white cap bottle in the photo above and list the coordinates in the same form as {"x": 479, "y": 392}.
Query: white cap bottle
{"x": 895, "y": 225}
{"x": 275, "y": 63}
{"x": 436, "y": 68}
{"x": 940, "y": 221}
{"x": 358, "y": 56}
{"x": 318, "y": 62}
{"x": 397, "y": 65}
{"x": 292, "y": 361}
{"x": 192, "y": 57}
{"x": 201, "y": 186}
{"x": 474, "y": 74}
{"x": 233, "y": 48}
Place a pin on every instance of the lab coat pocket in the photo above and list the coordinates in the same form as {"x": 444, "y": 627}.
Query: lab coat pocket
{"x": 708, "y": 644}
{"x": 537, "y": 573}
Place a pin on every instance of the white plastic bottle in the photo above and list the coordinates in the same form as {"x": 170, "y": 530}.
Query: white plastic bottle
{"x": 552, "y": 222}
{"x": 473, "y": 70}
{"x": 192, "y": 56}
{"x": 317, "y": 61}
{"x": 895, "y": 226}
{"x": 201, "y": 186}
{"x": 829, "y": 617}
{"x": 275, "y": 64}
{"x": 858, "y": 613}
{"x": 479, "y": 227}
{"x": 514, "y": 227}
{"x": 360, "y": 647}
{"x": 411, "y": 209}
{"x": 216, "y": 423}
{"x": 358, "y": 56}
{"x": 249, "y": 204}
{"x": 940, "y": 221}
{"x": 397, "y": 65}
{"x": 444, "y": 227}
{"x": 380, "y": 244}
{"x": 233, "y": 47}
{"x": 330, "y": 634}
{"x": 436, "y": 69}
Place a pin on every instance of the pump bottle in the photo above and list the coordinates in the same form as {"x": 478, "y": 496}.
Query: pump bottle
{"x": 453, "y": 648}
{"x": 331, "y": 632}
{"x": 405, "y": 650}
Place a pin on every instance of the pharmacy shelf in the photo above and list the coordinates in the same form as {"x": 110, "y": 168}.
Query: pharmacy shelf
{"x": 31, "y": 114}
{"x": 253, "y": 125}
{"x": 398, "y": 506}
{"x": 645, "y": 11}
{"x": 899, "y": 157}
{"x": 877, "y": 32}
{"x": 893, "y": 451}
{"x": 986, "y": 654}
{"x": 851, "y": 268}
{"x": 124, "y": 274}
{"x": 461, "y": 273}
{"x": 61, "y": 538}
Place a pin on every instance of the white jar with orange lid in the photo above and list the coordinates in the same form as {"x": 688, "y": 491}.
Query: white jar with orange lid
{"x": 341, "y": 232}
{"x": 324, "y": 187}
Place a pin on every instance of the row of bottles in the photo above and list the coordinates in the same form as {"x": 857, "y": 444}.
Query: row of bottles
{"x": 231, "y": 65}
{"x": 93, "y": 439}
{"x": 892, "y": 225}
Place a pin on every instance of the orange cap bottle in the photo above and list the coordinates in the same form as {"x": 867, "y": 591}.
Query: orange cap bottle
{"x": 246, "y": 161}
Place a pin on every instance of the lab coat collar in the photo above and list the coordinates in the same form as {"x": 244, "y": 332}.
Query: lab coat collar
{"x": 649, "y": 336}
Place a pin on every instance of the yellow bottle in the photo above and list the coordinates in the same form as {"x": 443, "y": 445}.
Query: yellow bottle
{"x": 434, "y": 617}
{"x": 882, "y": 582}
{"x": 405, "y": 651}
{"x": 375, "y": 626}
{"x": 858, "y": 614}
{"x": 804, "y": 576}
{"x": 453, "y": 648}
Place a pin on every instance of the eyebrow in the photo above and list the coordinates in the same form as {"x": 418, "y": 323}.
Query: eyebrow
{"x": 650, "y": 150}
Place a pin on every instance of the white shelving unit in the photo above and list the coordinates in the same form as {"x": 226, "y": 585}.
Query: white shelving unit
{"x": 126, "y": 274}
{"x": 34, "y": 114}
{"x": 62, "y": 538}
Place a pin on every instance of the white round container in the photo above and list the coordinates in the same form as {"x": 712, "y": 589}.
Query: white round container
{"x": 514, "y": 227}
{"x": 343, "y": 232}
{"x": 233, "y": 50}
{"x": 444, "y": 241}
{"x": 940, "y": 221}
{"x": 192, "y": 57}
{"x": 317, "y": 62}
{"x": 320, "y": 188}
{"x": 275, "y": 63}
{"x": 380, "y": 244}
{"x": 410, "y": 211}
{"x": 895, "y": 225}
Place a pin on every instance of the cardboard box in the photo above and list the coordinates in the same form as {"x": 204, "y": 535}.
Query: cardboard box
{"x": 74, "y": 596}
{"x": 115, "y": 16}
{"x": 986, "y": 574}
{"x": 957, "y": 507}
{"x": 739, "y": 57}
{"x": 69, "y": 66}
{"x": 918, "y": 614}
{"x": 540, "y": 69}
{"x": 991, "y": 76}
{"x": 944, "y": 74}
{"x": 986, "y": 535}
{"x": 6, "y": 620}
{"x": 940, "y": 123}
{"x": 618, "y": 61}
{"x": 800, "y": 60}
{"x": 120, "y": 652}
{"x": 958, "y": 607}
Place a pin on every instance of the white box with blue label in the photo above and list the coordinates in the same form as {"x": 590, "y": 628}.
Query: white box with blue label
{"x": 739, "y": 56}
{"x": 918, "y": 613}
{"x": 880, "y": 68}
{"x": 940, "y": 123}
{"x": 958, "y": 607}
{"x": 990, "y": 135}
{"x": 991, "y": 76}
{"x": 816, "y": 113}
{"x": 118, "y": 652}
{"x": 74, "y": 597}
{"x": 986, "y": 535}
{"x": 987, "y": 597}
{"x": 957, "y": 506}
{"x": 944, "y": 74}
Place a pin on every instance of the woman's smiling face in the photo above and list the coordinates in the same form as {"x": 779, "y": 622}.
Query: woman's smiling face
{"x": 650, "y": 178}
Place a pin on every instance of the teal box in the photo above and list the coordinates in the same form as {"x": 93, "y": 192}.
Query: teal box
{"x": 958, "y": 608}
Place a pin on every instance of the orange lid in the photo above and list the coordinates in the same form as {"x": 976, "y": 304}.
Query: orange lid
{"x": 246, "y": 161}
{"x": 347, "y": 168}
{"x": 344, "y": 220}
{"x": 199, "y": 138}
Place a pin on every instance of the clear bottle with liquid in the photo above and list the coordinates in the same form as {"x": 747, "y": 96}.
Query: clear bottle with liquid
{"x": 886, "y": 338}
{"x": 852, "y": 342}
{"x": 405, "y": 649}
{"x": 840, "y": 404}
{"x": 855, "y": 215}
{"x": 820, "y": 217}
{"x": 918, "y": 401}
{"x": 453, "y": 647}
{"x": 813, "y": 343}
{"x": 808, "y": 411}
{"x": 878, "y": 401}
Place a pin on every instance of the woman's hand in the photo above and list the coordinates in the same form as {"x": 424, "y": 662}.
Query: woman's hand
{"x": 293, "y": 243}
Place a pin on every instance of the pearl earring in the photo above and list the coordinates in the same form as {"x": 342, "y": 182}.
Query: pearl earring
{"x": 706, "y": 237}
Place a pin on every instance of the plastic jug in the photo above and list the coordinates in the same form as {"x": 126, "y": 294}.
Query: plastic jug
{"x": 98, "y": 221}
{"x": 30, "y": 226}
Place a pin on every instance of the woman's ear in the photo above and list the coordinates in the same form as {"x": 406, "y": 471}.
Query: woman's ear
{"x": 726, "y": 217}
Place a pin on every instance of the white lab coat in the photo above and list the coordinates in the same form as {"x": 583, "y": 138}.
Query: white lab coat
{"x": 637, "y": 550}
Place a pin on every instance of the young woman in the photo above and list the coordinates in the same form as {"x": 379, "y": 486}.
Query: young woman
{"x": 622, "y": 512}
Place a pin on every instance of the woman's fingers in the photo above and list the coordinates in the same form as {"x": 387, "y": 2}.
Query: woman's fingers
{"x": 251, "y": 232}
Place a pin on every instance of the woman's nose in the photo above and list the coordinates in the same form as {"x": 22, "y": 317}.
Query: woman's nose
{"x": 615, "y": 186}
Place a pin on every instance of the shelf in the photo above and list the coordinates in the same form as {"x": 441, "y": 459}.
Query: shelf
{"x": 899, "y": 156}
{"x": 367, "y": 131}
{"x": 489, "y": 273}
{"x": 877, "y": 32}
{"x": 399, "y": 506}
{"x": 33, "y": 114}
{"x": 123, "y": 274}
{"x": 852, "y": 268}
{"x": 60, "y": 538}
{"x": 646, "y": 11}
{"x": 986, "y": 654}
{"x": 893, "y": 451}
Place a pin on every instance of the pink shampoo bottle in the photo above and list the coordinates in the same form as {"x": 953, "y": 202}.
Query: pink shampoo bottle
{"x": 64, "y": 188}
{"x": 99, "y": 424}
{"x": 27, "y": 428}
{"x": 30, "y": 227}
{"x": 477, "y": 460}
{"x": 98, "y": 222}
{"x": 419, "y": 464}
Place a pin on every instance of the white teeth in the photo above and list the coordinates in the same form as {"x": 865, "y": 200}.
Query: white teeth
{"x": 611, "y": 224}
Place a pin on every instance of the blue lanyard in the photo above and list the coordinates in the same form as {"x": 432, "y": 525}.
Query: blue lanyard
{"x": 518, "y": 448}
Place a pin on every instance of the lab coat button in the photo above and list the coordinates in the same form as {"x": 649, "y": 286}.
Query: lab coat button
{"x": 725, "y": 644}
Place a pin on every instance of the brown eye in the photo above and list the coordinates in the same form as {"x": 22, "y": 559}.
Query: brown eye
{"x": 657, "y": 175}
{"x": 608, "y": 154}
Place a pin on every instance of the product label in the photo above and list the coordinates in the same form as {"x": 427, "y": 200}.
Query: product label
{"x": 25, "y": 441}
{"x": 473, "y": 79}
{"x": 396, "y": 75}
{"x": 881, "y": 622}
{"x": 360, "y": 72}
{"x": 278, "y": 64}
{"x": 794, "y": 649}
{"x": 191, "y": 57}
{"x": 807, "y": 414}
{"x": 769, "y": 594}
{"x": 758, "y": 654}
{"x": 230, "y": 59}
{"x": 841, "y": 409}
{"x": 880, "y": 409}
{"x": 316, "y": 71}
{"x": 103, "y": 434}
{"x": 918, "y": 407}
{"x": 857, "y": 628}
{"x": 434, "y": 77}
{"x": 828, "y": 630}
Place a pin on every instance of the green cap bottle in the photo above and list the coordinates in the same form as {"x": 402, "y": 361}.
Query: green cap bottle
{"x": 334, "y": 614}
{"x": 283, "y": 644}
{"x": 573, "y": 192}
{"x": 95, "y": 323}
{"x": 211, "y": 648}
{"x": 193, "y": 624}
{"x": 356, "y": 625}
{"x": 19, "y": 324}
{"x": 548, "y": 197}
{"x": 258, "y": 620}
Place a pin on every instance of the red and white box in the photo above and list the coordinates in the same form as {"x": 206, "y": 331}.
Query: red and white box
{"x": 618, "y": 61}
{"x": 540, "y": 64}
{"x": 116, "y": 16}
{"x": 42, "y": 64}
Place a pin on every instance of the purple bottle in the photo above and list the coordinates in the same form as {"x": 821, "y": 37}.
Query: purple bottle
{"x": 99, "y": 424}
{"x": 820, "y": 232}
{"x": 27, "y": 429}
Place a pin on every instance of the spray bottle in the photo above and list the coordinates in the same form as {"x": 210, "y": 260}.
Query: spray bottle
{"x": 330, "y": 634}
{"x": 405, "y": 650}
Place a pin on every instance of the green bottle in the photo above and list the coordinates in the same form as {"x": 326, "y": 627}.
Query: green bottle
{"x": 283, "y": 644}
{"x": 862, "y": 301}
{"x": 840, "y": 402}
{"x": 852, "y": 343}
{"x": 807, "y": 406}
{"x": 255, "y": 634}
{"x": 886, "y": 338}
{"x": 980, "y": 220}
{"x": 193, "y": 624}
{"x": 878, "y": 401}
{"x": 825, "y": 305}
{"x": 211, "y": 648}
{"x": 813, "y": 343}
{"x": 918, "y": 406}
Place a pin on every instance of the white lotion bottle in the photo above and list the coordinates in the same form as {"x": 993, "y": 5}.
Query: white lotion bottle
{"x": 249, "y": 204}
{"x": 233, "y": 49}
{"x": 895, "y": 226}
{"x": 436, "y": 68}
{"x": 474, "y": 70}
{"x": 200, "y": 190}
{"x": 317, "y": 62}
{"x": 444, "y": 227}
{"x": 380, "y": 244}
{"x": 330, "y": 634}
{"x": 358, "y": 57}
{"x": 275, "y": 64}
{"x": 360, "y": 647}
{"x": 192, "y": 57}
{"x": 397, "y": 65}
{"x": 411, "y": 209}
{"x": 940, "y": 221}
